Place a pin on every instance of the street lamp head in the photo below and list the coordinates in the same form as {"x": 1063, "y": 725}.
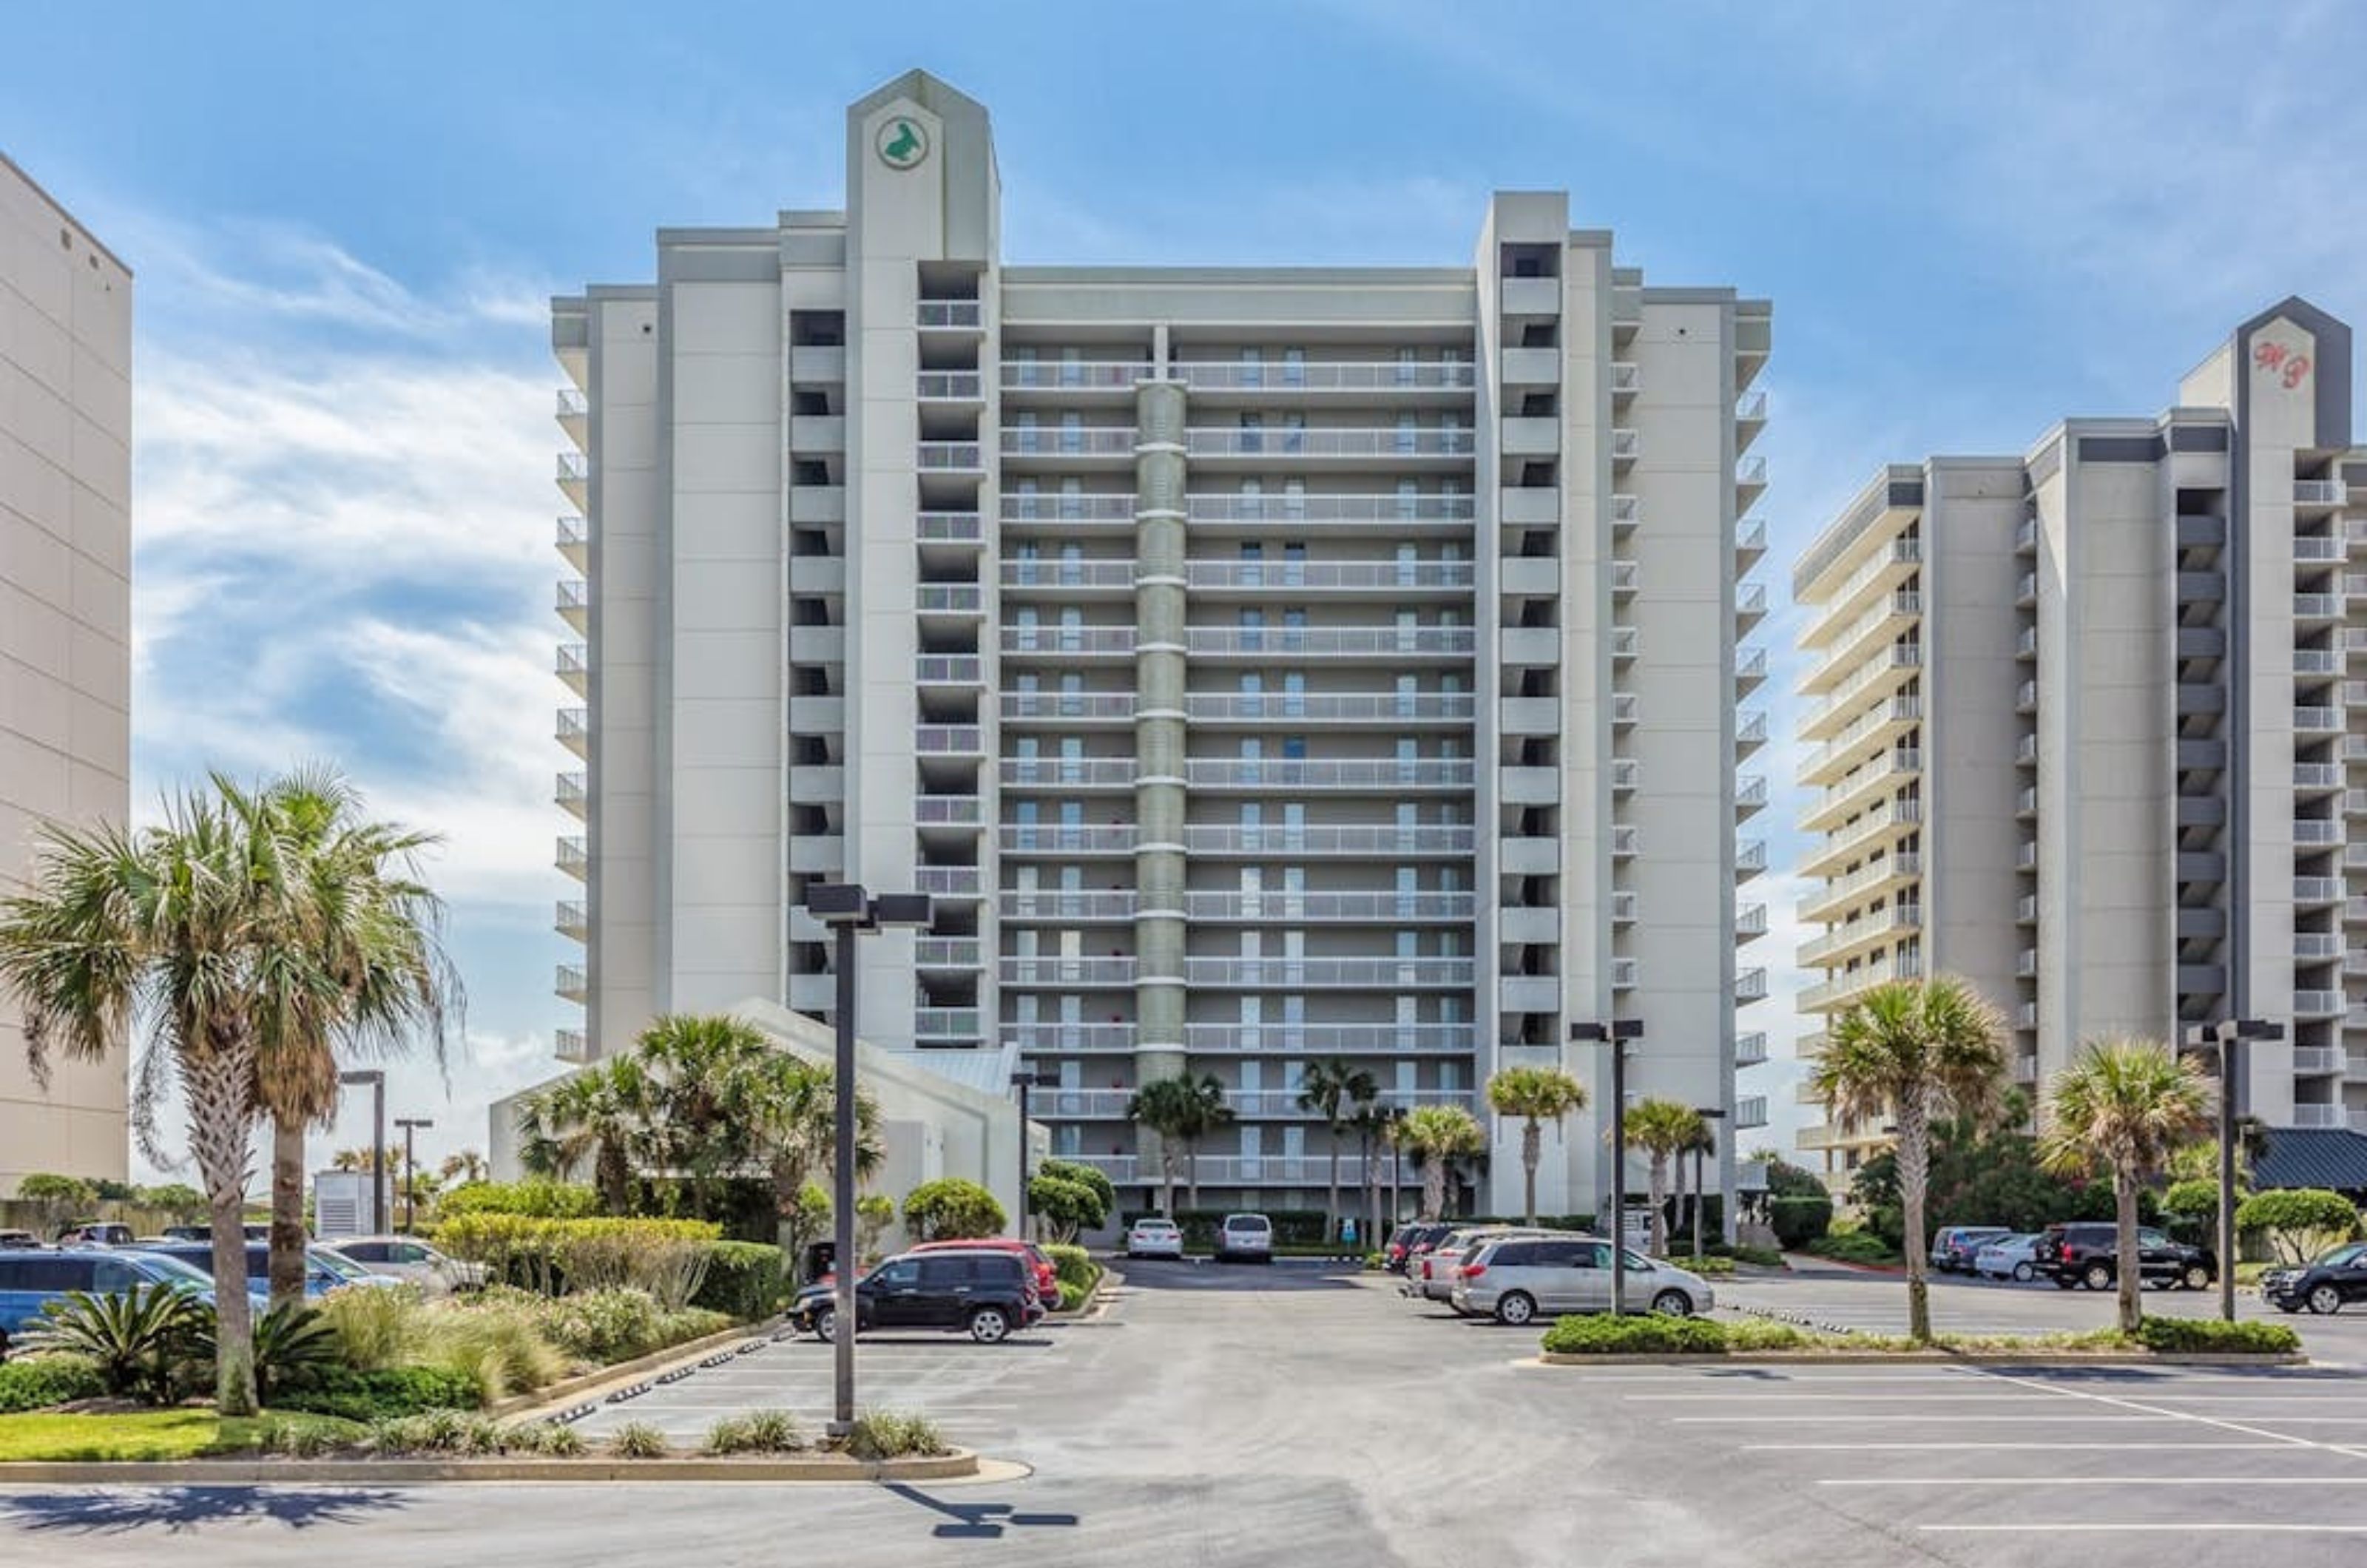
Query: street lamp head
{"x": 838, "y": 903}
{"x": 1710, "y": 1113}
{"x": 904, "y": 909}
{"x": 2259, "y": 1028}
{"x": 363, "y": 1076}
{"x": 1025, "y": 1080}
{"x": 414, "y": 1121}
{"x": 1613, "y": 1029}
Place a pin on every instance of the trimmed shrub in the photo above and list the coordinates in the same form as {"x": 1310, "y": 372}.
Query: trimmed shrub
{"x": 36, "y": 1383}
{"x": 1853, "y": 1246}
{"x": 2301, "y": 1221}
{"x": 637, "y": 1439}
{"x": 1084, "y": 1175}
{"x": 2202, "y": 1335}
{"x": 1797, "y": 1221}
{"x": 601, "y": 1325}
{"x": 1073, "y": 1265}
{"x": 1652, "y": 1334}
{"x": 666, "y": 1257}
{"x": 1708, "y": 1267}
{"x": 378, "y": 1395}
{"x": 1760, "y": 1257}
{"x": 951, "y": 1209}
{"x": 745, "y": 1279}
{"x": 884, "y": 1434}
{"x": 758, "y": 1432}
{"x": 538, "y": 1200}
{"x": 1065, "y": 1207}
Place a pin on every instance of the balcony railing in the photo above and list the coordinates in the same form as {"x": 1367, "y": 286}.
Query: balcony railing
{"x": 1283, "y": 441}
{"x": 1057, "y": 839}
{"x": 1375, "y": 839}
{"x": 942, "y": 386}
{"x": 1316, "y": 642}
{"x": 1289, "y": 973}
{"x": 1750, "y": 471}
{"x": 1333, "y": 375}
{"x": 1292, "y": 575}
{"x": 1073, "y": 375}
{"x": 1068, "y": 772}
{"x": 949, "y": 599}
{"x": 1033, "y": 506}
{"x": 949, "y": 456}
{"x": 1375, "y": 908}
{"x": 947, "y": 881}
{"x": 1334, "y": 707}
{"x": 1064, "y": 971}
{"x": 1068, "y": 441}
{"x": 1068, "y": 641}
{"x": 947, "y": 669}
{"x": 1377, "y": 774}
{"x": 947, "y": 953}
{"x": 1299, "y": 508}
{"x": 1063, "y": 904}
{"x": 1070, "y": 1036}
{"x": 949, "y": 528}
{"x": 946, "y": 1023}
{"x": 954, "y": 811}
{"x": 1080, "y": 705}
{"x": 1375, "y": 1038}
{"x": 948, "y": 739}
{"x": 967, "y": 314}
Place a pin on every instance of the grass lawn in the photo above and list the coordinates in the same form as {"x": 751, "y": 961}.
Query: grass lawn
{"x": 149, "y": 1434}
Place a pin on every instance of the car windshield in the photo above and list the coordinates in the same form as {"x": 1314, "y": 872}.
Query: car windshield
{"x": 172, "y": 1269}
{"x": 344, "y": 1267}
{"x": 2338, "y": 1256}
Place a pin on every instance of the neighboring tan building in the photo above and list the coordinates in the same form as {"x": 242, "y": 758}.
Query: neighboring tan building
{"x": 66, "y": 617}
{"x": 1258, "y": 664}
{"x": 2084, "y": 729}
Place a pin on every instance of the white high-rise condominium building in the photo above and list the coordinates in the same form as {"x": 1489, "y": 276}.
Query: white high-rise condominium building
{"x": 66, "y": 617}
{"x": 2082, "y": 729}
{"x": 1259, "y": 665}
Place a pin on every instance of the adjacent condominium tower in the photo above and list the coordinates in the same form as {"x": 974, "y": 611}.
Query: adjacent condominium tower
{"x": 1259, "y": 665}
{"x": 2081, "y": 729}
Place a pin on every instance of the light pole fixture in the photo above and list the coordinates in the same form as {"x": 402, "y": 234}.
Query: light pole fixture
{"x": 1618, "y": 1033}
{"x": 1022, "y": 1082}
{"x": 376, "y": 1078}
{"x": 1711, "y": 1116}
{"x": 850, "y": 911}
{"x": 410, "y": 1124}
{"x": 2226, "y": 1039}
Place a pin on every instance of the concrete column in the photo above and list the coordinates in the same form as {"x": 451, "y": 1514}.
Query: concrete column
{"x": 1158, "y": 729}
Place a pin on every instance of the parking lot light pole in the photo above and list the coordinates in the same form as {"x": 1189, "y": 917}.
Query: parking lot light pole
{"x": 1022, "y": 1082}
{"x": 410, "y": 1124}
{"x": 847, "y": 906}
{"x": 2226, "y": 1039}
{"x": 376, "y": 1078}
{"x": 1618, "y": 1033}
{"x": 1711, "y": 1117}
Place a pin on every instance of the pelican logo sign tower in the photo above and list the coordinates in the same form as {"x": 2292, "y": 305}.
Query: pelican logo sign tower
{"x": 902, "y": 143}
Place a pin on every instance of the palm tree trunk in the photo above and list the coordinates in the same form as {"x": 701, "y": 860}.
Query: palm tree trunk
{"x": 1191, "y": 1173}
{"x": 1914, "y": 1184}
{"x": 1531, "y": 1146}
{"x": 1660, "y": 1179}
{"x": 221, "y": 1118}
{"x": 1434, "y": 1187}
{"x": 1331, "y": 1200}
{"x": 287, "y": 1268}
{"x": 2128, "y": 1276}
{"x": 1167, "y": 1176}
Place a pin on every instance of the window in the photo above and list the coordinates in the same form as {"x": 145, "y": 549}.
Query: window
{"x": 1294, "y": 566}
{"x": 1072, "y": 562}
{"x": 1072, "y": 499}
{"x": 1408, "y": 498}
{"x": 1073, "y": 431}
{"x": 1023, "y": 438}
{"x": 1024, "y": 500}
{"x": 945, "y": 1273}
{"x": 1253, "y": 436}
{"x": 1073, "y": 627}
{"x": 1294, "y": 693}
{"x": 1294, "y": 368}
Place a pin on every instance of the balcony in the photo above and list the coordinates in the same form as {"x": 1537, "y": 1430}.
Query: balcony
{"x": 1331, "y": 642}
{"x": 1326, "y": 1038}
{"x": 574, "y": 601}
{"x": 1069, "y": 707}
{"x": 1887, "y": 619}
{"x": 574, "y": 475}
{"x": 948, "y": 739}
{"x": 1362, "y": 909}
{"x": 569, "y": 918}
{"x": 1750, "y": 606}
{"x": 1750, "y": 670}
{"x": 1288, "y": 576}
{"x": 573, "y": 730}
{"x": 1080, "y": 1104}
{"x": 947, "y": 669}
{"x": 948, "y": 811}
{"x": 1068, "y": 443}
{"x": 949, "y": 315}
{"x": 570, "y": 790}
{"x": 1749, "y": 858}
{"x": 945, "y": 1024}
{"x": 1029, "y": 905}
{"x": 1749, "y": 732}
{"x": 1117, "y": 839}
{"x": 1329, "y": 974}
{"x": 1750, "y": 921}
{"x": 569, "y": 1045}
{"x": 1065, "y": 642}
{"x": 1891, "y": 873}
{"x": 1038, "y": 506}
{"x": 947, "y": 881}
{"x": 947, "y": 953}
{"x": 949, "y": 528}
{"x": 1749, "y": 793}
{"x": 1404, "y": 444}
{"x": 2320, "y": 495}
{"x": 572, "y": 856}
{"x": 1388, "y": 708}
{"x": 1056, "y": 576}
{"x": 1839, "y": 943}
{"x": 1626, "y": 445}
{"x": 573, "y": 666}
{"x": 1066, "y": 772}
{"x": 949, "y": 456}
{"x": 1070, "y": 1036}
{"x": 965, "y": 600}
{"x": 570, "y": 982}
{"x": 1381, "y": 776}
{"x": 1394, "y": 511}
{"x": 1751, "y": 476}
{"x": 1376, "y": 838}
{"x": 1073, "y": 375}
{"x": 1890, "y": 768}
{"x": 1066, "y": 971}
{"x": 2310, "y": 550}
{"x": 573, "y": 541}
{"x": 1750, "y": 1049}
{"x": 1751, "y": 986}
{"x": 1842, "y": 989}
{"x": 1390, "y": 378}
{"x": 1879, "y": 676}
{"x": 949, "y": 386}
{"x": 1872, "y": 732}
{"x": 1749, "y": 543}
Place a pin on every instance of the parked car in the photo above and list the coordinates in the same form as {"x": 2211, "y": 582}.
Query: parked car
{"x": 1048, "y": 1278}
{"x": 31, "y": 1277}
{"x": 2082, "y": 1253}
{"x": 1432, "y": 1278}
{"x": 410, "y": 1260}
{"x": 1953, "y": 1246}
{"x": 1514, "y": 1279}
{"x": 93, "y": 1233}
{"x": 206, "y": 1232}
{"x": 324, "y": 1270}
{"x": 1418, "y": 1240}
{"x": 2325, "y": 1285}
{"x": 11, "y": 1240}
{"x": 2007, "y": 1258}
{"x": 987, "y": 1293}
{"x": 1154, "y": 1235}
{"x": 1247, "y": 1236}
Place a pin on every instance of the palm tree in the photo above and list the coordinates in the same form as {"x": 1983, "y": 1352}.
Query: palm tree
{"x": 1438, "y": 1134}
{"x": 464, "y": 1168}
{"x": 1663, "y": 1129}
{"x": 374, "y": 973}
{"x": 1536, "y": 1095}
{"x": 1917, "y": 1051}
{"x": 1333, "y": 1091}
{"x": 1181, "y": 1111}
{"x": 169, "y": 931}
{"x": 793, "y": 1109}
{"x": 1371, "y": 1124}
{"x": 1209, "y": 1112}
{"x": 1703, "y": 1142}
{"x": 704, "y": 1076}
{"x": 592, "y": 1117}
{"x": 2127, "y": 1105}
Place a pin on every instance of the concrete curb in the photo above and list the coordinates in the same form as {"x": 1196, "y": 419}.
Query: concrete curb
{"x": 1931, "y": 1357}
{"x": 569, "y": 1392}
{"x": 960, "y": 1464}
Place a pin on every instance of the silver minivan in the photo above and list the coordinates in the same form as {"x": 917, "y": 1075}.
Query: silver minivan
{"x": 1248, "y": 1236}
{"x": 1516, "y": 1279}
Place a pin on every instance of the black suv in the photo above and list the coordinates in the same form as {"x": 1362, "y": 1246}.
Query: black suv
{"x": 2325, "y": 1285}
{"x": 989, "y": 1293}
{"x": 2084, "y": 1252}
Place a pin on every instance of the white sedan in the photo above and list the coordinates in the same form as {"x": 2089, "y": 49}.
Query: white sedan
{"x": 2007, "y": 1258}
{"x": 1154, "y": 1237}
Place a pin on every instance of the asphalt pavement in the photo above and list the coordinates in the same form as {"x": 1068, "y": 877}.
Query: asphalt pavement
{"x": 1306, "y": 1415}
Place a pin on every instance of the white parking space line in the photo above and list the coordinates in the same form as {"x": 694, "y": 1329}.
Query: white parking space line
{"x": 1953, "y": 1481}
{"x": 2114, "y": 1448}
{"x": 1785, "y": 1396}
{"x": 1863, "y": 1418}
{"x": 2197, "y": 1417}
{"x": 2144, "y": 1528}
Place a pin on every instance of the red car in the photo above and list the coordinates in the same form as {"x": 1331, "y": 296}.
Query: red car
{"x": 1047, "y": 1279}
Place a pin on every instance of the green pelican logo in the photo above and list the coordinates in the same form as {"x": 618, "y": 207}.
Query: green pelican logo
{"x": 902, "y": 143}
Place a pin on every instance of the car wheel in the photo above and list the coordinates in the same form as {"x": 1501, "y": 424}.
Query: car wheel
{"x": 826, "y": 1324}
{"x": 2325, "y": 1301}
{"x": 2198, "y": 1278}
{"x": 1674, "y": 1304}
{"x": 2023, "y": 1273}
{"x": 989, "y": 1325}
{"x": 2098, "y": 1276}
{"x": 1514, "y": 1308}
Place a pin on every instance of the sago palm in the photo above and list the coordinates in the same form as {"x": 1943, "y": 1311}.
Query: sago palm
{"x": 1663, "y": 1129}
{"x": 1333, "y": 1091}
{"x": 1916, "y": 1052}
{"x": 171, "y": 933}
{"x": 591, "y": 1119}
{"x": 1441, "y": 1134}
{"x": 1536, "y": 1096}
{"x": 368, "y": 973}
{"x": 2128, "y": 1106}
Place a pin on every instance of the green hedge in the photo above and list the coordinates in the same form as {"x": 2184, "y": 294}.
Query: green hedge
{"x": 1652, "y": 1334}
{"x": 1074, "y": 1265}
{"x": 376, "y": 1395}
{"x": 1853, "y": 1246}
{"x": 34, "y": 1383}
{"x": 666, "y": 1257}
{"x": 541, "y": 1199}
{"x": 1799, "y": 1221}
{"x": 2201, "y": 1335}
{"x": 745, "y": 1279}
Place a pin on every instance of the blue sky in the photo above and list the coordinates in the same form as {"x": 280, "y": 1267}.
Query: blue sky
{"x": 1972, "y": 220}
